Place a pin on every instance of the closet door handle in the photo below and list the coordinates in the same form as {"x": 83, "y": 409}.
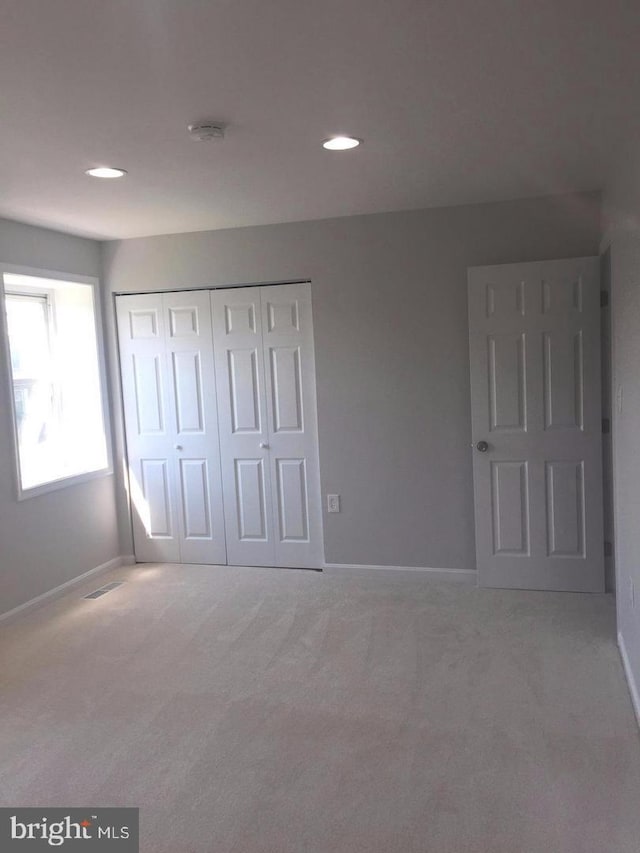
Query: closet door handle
{"x": 264, "y": 445}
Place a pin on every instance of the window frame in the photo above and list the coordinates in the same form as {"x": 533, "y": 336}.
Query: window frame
{"x": 7, "y": 374}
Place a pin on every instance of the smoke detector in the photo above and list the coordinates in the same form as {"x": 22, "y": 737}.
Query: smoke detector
{"x": 206, "y": 131}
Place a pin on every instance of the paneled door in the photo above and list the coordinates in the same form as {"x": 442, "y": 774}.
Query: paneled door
{"x": 263, "y": 340}
{"x": 244, "y": 434}
{"x": 170, "y": 406}
{"x": 287, "y": 332}
{"x": 534, "y": 336}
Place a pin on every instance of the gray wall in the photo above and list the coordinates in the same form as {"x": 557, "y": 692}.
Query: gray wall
{"x": 622, "y": 237}
{"x": 50, "y": 539}
{"x": 390, "y": 319}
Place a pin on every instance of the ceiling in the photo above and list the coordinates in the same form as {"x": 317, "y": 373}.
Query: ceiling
{"x": 458, "y": 101}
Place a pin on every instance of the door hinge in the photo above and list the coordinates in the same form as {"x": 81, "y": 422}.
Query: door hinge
{"x": 604, "y": 299}
{"x": 606, "y": 426}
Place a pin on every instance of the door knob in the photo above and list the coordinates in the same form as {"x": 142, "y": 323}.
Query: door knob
{"x": 264, "y": 445}
{"x": 482, "y": 446}
{"x": 178, "y": 447}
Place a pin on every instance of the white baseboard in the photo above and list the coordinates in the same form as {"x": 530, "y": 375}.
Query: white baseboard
{"x": 455, "y": 575}
{"x": 631, "y": 681}
{"x": 58, "y": 590}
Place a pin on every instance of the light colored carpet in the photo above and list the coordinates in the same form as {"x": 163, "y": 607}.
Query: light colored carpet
{"x": 275, "y": 711}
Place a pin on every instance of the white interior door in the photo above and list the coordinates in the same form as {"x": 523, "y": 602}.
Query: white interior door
{"x": 287, "y": 331}
{"x": 263, "y": 339}
{"x": 169, "y": 391}
{"x": 244, "y": 434}
{"x": 536, "y": 424}
{"x": 146, "y": 392}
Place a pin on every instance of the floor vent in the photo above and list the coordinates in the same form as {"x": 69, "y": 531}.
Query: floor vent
{"x": 104, "y": 589}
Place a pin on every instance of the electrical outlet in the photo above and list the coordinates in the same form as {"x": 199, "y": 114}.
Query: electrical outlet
{"x": 333, "y": 503}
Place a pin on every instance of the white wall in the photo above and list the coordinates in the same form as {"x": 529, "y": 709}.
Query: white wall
{"x": 50, "y": 539}
{"x": 622, "y": 237}
{"x": 391, "y": 334}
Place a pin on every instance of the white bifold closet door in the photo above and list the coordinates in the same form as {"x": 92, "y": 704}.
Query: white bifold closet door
{"x": 263, "y": 339}
{"x": 220, "y": 418}
{"x": 169, "y": 393}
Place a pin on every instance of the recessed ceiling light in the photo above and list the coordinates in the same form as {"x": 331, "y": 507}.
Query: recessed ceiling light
{"x": 341, "y": 143}
{"x": 106, "y": 172}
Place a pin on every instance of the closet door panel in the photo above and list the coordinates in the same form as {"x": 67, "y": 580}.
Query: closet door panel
{"x": 244, "y": 436}
{"x": 251, "y": 501}
{"x": 291, "y": 412}
{"x": 189, "y": 343}
{"x": 244, "y": 390}
{"x": 147, "y": 398}
{"x": 292, "y": 502}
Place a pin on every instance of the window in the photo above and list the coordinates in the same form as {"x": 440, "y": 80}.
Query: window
{"x": 56, "y": 378}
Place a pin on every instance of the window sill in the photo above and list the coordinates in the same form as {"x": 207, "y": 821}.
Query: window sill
{"x": 62, "y": 483}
